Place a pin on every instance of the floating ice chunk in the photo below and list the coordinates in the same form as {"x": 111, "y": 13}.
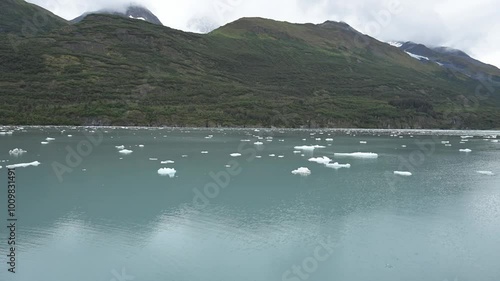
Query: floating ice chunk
{"x": 245, "y": 140}
{"x": 465, "y": 150}
{"x": 447, "y": 145}
{"x": 462, "y": 142}
{"x": 329, "y": 140}
{"x": 495, "y": 141}
{"x": 258, "y": 156}
{"x": 23, "y": 165}
{"x": 404, "y": 174}
{"x": 70, "y": 136}
{"x": 403, "y": 146}
{"x": 318, "y": 139}
{"x": 235, "y": 154}
{"x": 466, "y": 137}
{"x": 209, "y": 136}
{"x": 228, "y": 166}
{"x": 363, "y": 142}
{"x": 337, "y": 166}
{"x": 44, "y": 142}
{"x": 281, "y": 156}
{"x": 120, "y": 147}
{"x": 368, "y": 155}
{"x": 486, "y": 173}
{"x": 184, "y": 156}
{"x": 50, "y": 139}
{"x": 84, "y": 170}
{"x": 303, "y": 171}
{"x": 17, "y": 151}
{"x": 321, "y": 160}
{"x": 204, "y": 152}
{"x": 308, "y": 147}
{"x": 125, "y": 151}
{"x": 153, "y": 159}
{"x": 141, "y": 145}
{"x": 445, "y": 142}
{"x": 167, "y": 172}
{"x": 168, "y": 162}
{"x": 272, "y": 155}
{"x": 297, "y": 152}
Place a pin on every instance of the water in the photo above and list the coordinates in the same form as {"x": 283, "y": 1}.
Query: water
{"x": 112, "y": 219}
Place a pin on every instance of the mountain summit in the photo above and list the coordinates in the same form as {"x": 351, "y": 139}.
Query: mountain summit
{"x": 132, "y": 12}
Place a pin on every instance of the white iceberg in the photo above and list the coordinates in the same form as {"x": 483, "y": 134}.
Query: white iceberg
{"x": 16, "y": 152}
{"x": 404, "y": 174}
{"x": 23, "y": 165}
{"x": 167, "y": 172}
{"x": 337, "y": 166}
{"x": 235, "y": 154}
{"x": 465, "y": 150}
{"x": 303, "y": 171}
{"x": 367, "y": 155}
{"x": 486, "y": 173}
{"x": 70, "y": 136}
{"x": 204, "y": 152}
{"x": 308, "y": 147}
{"x": 321, "y": 160}
{"x": 363, "y": 142}
{"x": 125, "y": 151}
{"x": 141, "y": 145}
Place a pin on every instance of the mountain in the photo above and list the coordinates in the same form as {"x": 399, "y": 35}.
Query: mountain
{"x": 112, "y": 70}
{"x": 449, "y": 58}
{"x": 18, "y": 17}
{"x": 132, "y": 12}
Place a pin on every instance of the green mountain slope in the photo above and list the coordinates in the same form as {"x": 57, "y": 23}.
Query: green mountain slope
{"x": 24, "y": 19}
{"x": 107, "y": 70}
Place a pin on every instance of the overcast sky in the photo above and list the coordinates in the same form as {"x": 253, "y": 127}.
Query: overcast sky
{"x": 472, "y": 26}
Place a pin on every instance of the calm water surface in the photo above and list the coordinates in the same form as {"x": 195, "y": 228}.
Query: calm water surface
{"x": 90, "y": 213}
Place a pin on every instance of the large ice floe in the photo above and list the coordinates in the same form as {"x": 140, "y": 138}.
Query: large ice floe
{"x": 303, "y": 171}
{"x": 125, "y": 151}
{"x": 402, "y": 173}
{"x": 486, "y": 173}
{"x": 17, "y": 152}
{"x": 365, "y": 155}
{"x": 167, "y": 172}
{"x": 23, "y": 165}
{"x": 321, "y": 160}
{"x": 308, "y": 147}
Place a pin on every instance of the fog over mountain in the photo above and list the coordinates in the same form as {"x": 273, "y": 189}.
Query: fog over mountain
{"x": 470, "y": 26}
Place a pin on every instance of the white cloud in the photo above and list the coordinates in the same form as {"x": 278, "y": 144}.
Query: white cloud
{"x": 468, "y": 25}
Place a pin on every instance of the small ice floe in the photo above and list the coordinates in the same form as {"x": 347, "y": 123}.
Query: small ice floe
{"x": 228, "y": 166}
{"x": 447, "y": 145}
{"x": 204, "y": 152}
{"x": 17, "y": 152}
{"x": 141, "y": 145}
{"x": 321, "y": 160}
{"x": 209, "y": 136}
{"x": 258, "y": 156}
{"x": 465, "y": 150}
{"x": 70, "y": 136}
{"x": 23, "y": 165}
{"x": 297, "y": 152}
{"x": 50, "y": 139}
{"x": 168, "y": 162}
{"x": 120, "y": 147}
{"x": 184, "y": 156}
{"x": 368, "y": 155}
{"x": 486, "y": 173}
{"x": 153, "y": 159}
{"x": 404, "y": 174}
{"x": 281, "y": 140}
{"x": 44, "y": 142}
{"x": 462, "y": 142}
{"x": 84, "y": 170}
{"x": 329, "y": 140}
{"x": 125, "y": 151}
{"x": 318, "y": 139}
{"x": 403, "y": 146}
{"x": 308, "y": 147}
{"x": 445, "y": 142}
{"x": 167, "y": 172}
{"x": 337, "y": 166}
{"x": 466, "y": 137}
{"x": 281, "y": 156}
{"x": 245, "y": 140}
{"x": 363, "y": 142}
{"x": 303, "y": 171}
{"x": 495, "y": 141}
{"x": 235, "y": 154}
{"x": 272, "y": 155}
